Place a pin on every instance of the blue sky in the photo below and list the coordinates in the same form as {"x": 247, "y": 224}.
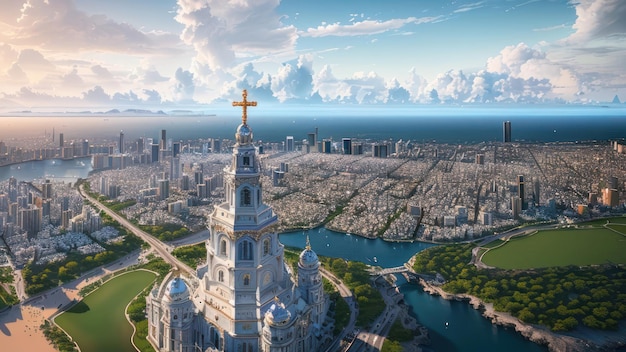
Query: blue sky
{"x": 165, "y": 53}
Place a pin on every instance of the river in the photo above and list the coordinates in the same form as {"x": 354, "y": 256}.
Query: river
{"x": 54, "y": 169}
{"x": 467, "y": 330}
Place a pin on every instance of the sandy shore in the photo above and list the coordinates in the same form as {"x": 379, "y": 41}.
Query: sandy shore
{"x": 588, "y": 340}
{"x": 19, "y": 326}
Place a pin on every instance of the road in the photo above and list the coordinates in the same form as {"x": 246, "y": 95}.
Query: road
{"x": 347, "y": 295}
{"x": 159, "y": 247}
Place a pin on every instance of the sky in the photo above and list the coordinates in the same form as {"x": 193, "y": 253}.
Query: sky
{"x": 188, "y": 53}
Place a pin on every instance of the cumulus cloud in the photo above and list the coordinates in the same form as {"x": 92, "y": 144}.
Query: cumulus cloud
{"x": 599, "y": 19}
{"x": 183, "y": 86}
{"x": 59, "y": 25}
{"x": 294, "y": 80}
{"x": 366, "y": 27}
{"x": 219, "y": 29}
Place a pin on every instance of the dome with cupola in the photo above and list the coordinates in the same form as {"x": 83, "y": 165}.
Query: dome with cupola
{"x": 277, "y": 314}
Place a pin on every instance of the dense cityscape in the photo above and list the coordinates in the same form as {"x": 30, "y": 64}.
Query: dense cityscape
{"x": 398, "y": 191}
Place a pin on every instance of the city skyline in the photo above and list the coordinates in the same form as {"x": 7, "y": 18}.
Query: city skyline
{"x": 185, "y": 53}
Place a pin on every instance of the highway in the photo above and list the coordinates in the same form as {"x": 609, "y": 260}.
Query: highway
{"x": 159, "y": 247}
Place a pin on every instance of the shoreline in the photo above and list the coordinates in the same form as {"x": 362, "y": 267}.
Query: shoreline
{"x": 598, "y": 341}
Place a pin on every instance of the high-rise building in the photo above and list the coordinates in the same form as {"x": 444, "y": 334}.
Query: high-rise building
{"x": 506, "y": 132}
{"x": 175, "y": 149}
{"x": 289, "y": 145}
{"x": 346, "y": 144}
{"x": 155, "y": 153}
{"x": 327, "y": 146}
{"x": 245, "y": 297}
{"x": 521, "y": 191}
{"x": 610, "y": 197}
{"x": 216, "y": 145}
{"x": 164, "y": 189}
{"x": 46, "y": 190}
{"x": 312, "y": 140}
{"x": 61, "y": 140}
{"x": 163, "y": 141}
{"x": 121, "y": 143}
{"x": 516, "y": 206}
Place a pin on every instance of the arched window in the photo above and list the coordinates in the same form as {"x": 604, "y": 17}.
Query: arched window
{"x": 220, "y": 276}
{"x": 246, "y": 161}
{"x": 246, "y": 197}
{"x": 258, "y": 196}
{"x": 246, "y": 280}
{"x": 245, "y": 250}
{"x": 266, "y": 246}
{"x": 223, "y": 247}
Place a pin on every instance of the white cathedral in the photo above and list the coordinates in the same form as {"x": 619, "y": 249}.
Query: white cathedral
{"x": 245, "y": 299}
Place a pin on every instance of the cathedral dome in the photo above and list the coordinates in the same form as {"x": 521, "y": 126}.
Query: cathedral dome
{"x": 308, "y": 258}
{"x": 244, "y": 134}
{"x": 277, "y": 314}
{"x": 177, "y": 290}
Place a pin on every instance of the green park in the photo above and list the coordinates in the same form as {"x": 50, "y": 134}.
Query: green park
{"x": 98, "y": 322}
{"x": 581, "y": 246}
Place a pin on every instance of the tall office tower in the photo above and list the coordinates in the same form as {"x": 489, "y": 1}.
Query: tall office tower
{"x": 506, "y": 132}
{"x": 379, "y": 150}
{"x": 120, "y": 147}
{"x": 174, "y": 168}
{"x": 140, "y": 145}
{"x": 480, "y": 159}
{"x": 46, "y": 190}
{"x": 30, "y": 220}
{"x": 516, "y": 206}
{"x": 61, "y": 140}
{"x": 155, "y": 153}
{"x": 311, "y": 138}
{"x": 327, "y": 146}
{"x": 66, "y": 215}
{"x": 85, "y": 147}
{"x": 163, "y": 141}
{"x": 357, "y": 148}
{"x": 521, "y": 192}
{"x": 216, "y": 145}
{"x": 184, "y": 182}
{"x": 198, "y": 177}
{"x": 164, "y": 189}
{"x": 346, "y": 144}
{"x": 175, "y": 149}
{"x": 12, "y": 189}
{"x": 536, "y": 192}
{"x": 610, "y": 197}
{"x": 289, "y": 146}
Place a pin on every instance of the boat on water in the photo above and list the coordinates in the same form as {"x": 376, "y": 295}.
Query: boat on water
{"x": 375, "y": 260}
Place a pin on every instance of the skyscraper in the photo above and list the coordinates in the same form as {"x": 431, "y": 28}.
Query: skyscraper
{"x": 346, "y": 145}
{"x": 163, "y": 141}
{"x": 521, "y": 192}
{"x": 121, "y": 143}
{"x": 289, "y": 146}
{"x": 506, "y": 132}
{"x": 61, "y": 141}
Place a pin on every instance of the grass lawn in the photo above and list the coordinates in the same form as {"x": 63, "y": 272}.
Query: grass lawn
{"x": 560, "y": 248}
{"x": 97, "y": 323}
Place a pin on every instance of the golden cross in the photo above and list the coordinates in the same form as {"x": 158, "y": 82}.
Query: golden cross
{"x": 244, "y": 105}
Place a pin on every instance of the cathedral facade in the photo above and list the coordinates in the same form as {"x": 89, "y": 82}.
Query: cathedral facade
{"x": 245, "y": 298}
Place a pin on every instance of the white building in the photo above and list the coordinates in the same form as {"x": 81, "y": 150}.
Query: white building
{"x": 245, "y": 299}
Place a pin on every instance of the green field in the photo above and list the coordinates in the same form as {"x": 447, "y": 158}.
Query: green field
{"x": 550, "y": 248}
{"x": 97, "y": 323}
